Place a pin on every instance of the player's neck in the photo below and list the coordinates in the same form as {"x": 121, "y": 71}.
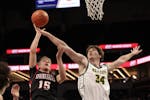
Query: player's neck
{"x": 96, "y": 63}
{"x": 45, "y": 71}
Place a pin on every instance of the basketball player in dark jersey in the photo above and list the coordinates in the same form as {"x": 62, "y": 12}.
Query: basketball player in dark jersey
{"x": 93, "y": 80}
{"x": 43, "y": 80}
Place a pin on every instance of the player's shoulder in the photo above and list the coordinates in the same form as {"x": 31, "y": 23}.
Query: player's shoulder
{"x": 1, "y": 97}
{"x": 103, "y": 65}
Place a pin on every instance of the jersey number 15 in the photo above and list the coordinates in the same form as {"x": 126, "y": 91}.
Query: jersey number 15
{"x": 44, "y": 84}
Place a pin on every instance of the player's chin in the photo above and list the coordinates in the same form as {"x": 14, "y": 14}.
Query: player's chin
{"x": 90, "y": 58}
{"x": 46, "y": 69}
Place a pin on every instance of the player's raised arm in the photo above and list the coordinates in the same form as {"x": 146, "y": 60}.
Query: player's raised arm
{"x": 33, "y": 47}
{"x": 122, "y": 59}
{"x": 62, "y": 71}
{"x": 76, "y": 57}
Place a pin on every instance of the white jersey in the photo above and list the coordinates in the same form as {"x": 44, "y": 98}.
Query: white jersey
{"x": 93, "y": 84}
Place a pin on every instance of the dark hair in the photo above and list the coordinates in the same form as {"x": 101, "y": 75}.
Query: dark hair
{"x": 40, "y": 58}
{"x": 4, "y": 74}
{"x": 100, "y": 51}
{"x": 43, "y": 58}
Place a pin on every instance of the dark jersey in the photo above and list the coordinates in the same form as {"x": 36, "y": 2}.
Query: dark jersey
{"x": 43, "y": 85}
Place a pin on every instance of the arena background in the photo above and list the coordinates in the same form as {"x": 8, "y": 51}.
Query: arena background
{"x": 125, "y": 21}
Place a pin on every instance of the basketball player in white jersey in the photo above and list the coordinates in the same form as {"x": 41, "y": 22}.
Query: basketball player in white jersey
{"x": 93, "y": 81}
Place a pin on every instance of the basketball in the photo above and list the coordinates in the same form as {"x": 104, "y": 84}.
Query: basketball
{"x": 40, "y": 18}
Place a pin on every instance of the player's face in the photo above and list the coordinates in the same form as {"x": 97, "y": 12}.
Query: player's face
{"x": 45, "y": 64}
{"x": 93, "y": 54}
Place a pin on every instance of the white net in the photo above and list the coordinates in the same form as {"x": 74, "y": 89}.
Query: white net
{"x": 95, "y": 9}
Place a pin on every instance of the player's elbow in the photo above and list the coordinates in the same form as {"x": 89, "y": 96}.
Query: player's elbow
{"x": 32, "y": 50}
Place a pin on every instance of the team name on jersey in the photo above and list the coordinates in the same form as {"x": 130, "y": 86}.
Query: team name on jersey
{"x": 45, "y": 76}
{"x": 99, "y": 71}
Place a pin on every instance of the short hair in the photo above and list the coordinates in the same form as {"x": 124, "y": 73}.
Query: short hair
{"x": 100, "y": 51}
{"x": 4, "y": 74}
{"x": 43, "y": 58}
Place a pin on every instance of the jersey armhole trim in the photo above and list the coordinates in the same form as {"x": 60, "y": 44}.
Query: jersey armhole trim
{"x": 85, "y": 69}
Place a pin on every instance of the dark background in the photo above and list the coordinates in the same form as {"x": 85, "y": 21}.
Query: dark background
{"x": 124, "y": 21}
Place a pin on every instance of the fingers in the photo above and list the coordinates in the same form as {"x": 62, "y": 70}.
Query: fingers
{"x": 61, "y": 48}
{"x": 38, "y": 27}
{"x": 16, "y": 86}
{"x": 60, "y": 51}
{"x": 138, "y": 47}
{"x": 34, "y": 26}
{"x": 136, "y": 50}
{"x": 44, "y": 29}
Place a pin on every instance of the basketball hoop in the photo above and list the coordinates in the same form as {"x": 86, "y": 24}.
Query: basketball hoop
{"x": 95, "y": 9}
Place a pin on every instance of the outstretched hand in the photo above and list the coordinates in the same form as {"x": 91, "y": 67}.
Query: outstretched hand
{"x": 41, "y": 31}
{"x": 60, "y": 51}
{"x": 136, "y": 50}
{"x": 37, "y": 29}
{"x": 15, "y": 90}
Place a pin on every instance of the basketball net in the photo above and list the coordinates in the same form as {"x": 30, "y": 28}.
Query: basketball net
{"x": 95, "y": 9}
